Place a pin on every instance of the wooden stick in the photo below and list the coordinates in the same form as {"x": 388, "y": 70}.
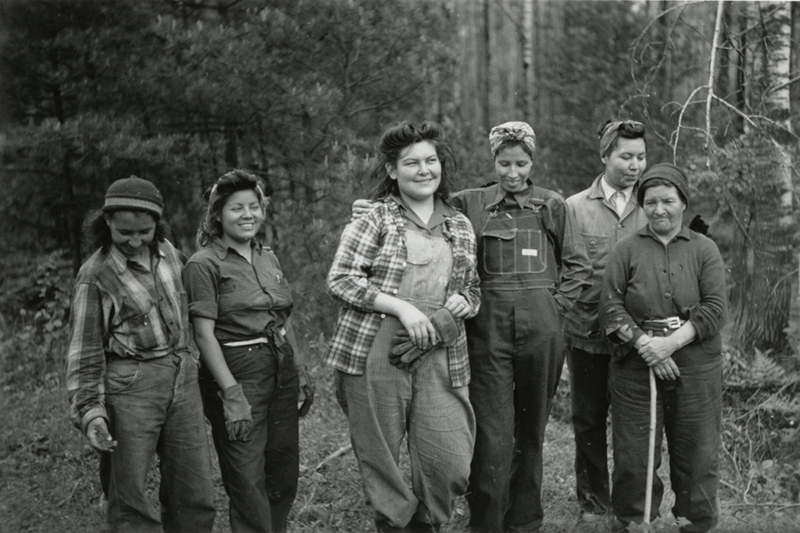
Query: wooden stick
{"x": 651, "y": 449}
{"x": 341, "y": 451}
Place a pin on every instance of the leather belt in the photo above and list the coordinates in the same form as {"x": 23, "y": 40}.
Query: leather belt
{"x": 662, "y": 326}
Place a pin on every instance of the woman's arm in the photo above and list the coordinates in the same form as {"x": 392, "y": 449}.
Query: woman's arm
{"x": 619, "y": 327}
{"x": 348, "y": 278}
{"x": 211, "y": 353}
{"x": 420, "y": 330}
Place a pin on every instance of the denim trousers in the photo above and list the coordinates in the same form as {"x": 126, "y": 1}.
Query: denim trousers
{"x": 516, "y": 353}
{"x": 154, "y": 407}
{"x": 259, "y": 474}
{"x": 588, "y": 381}
{"x": 384, "y": 405}
{"x": 689, "y": 413}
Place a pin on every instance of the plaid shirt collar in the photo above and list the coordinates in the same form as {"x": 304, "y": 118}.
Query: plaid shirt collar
{"x": 120, "y": 260}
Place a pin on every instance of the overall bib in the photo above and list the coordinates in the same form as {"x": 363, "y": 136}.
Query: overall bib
{"x": 516, "y": 355}
{"x": 386, "y": 404}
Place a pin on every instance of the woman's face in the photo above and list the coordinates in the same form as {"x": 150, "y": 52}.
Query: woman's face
{"x": 241, "y": 216}
{"x": 664, "y": 209}
{"x": 131, "y": 231}
{"x": 625, "y": 163}
{"x": 512, "y": 166}
{"x": 418, "y": 171}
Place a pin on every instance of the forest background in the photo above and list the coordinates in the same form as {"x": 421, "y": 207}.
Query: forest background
{"x": 298, "y": 91}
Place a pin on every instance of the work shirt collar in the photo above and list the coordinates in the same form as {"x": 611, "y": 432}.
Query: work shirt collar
{"x": 441, "y": 211}
{"x": 519, "y": 198}
{"x": 608, "y": 190}
{"x": 221, "y": 249}
{"x": 683, "y": 233}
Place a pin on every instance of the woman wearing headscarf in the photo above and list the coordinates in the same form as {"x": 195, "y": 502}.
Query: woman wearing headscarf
{"x": 240, "y": 305}
{"x": 532, "y": 270}
{"x": 663, "y": 303}
{"x": 604, "y": 213}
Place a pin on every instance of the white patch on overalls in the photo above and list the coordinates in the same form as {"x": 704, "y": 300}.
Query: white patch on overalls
{"x": 531, "y": 252}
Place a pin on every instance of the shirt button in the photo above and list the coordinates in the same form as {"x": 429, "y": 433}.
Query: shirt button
{"x": 383, "y": 315}
{"x": 394, "y": 291}
{"x": 403, "y": 265}
{"x": 667, "y": 295}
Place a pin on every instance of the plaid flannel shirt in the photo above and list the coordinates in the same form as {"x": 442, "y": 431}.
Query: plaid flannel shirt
{"x": 120, "y": 308}
{"x": 371, "y": 259}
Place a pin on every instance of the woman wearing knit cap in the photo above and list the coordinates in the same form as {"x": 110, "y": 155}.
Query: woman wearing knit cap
{"x": 131, "y": 377}
{"x": 240, "y": 303}
{"x": 662, "y": 306}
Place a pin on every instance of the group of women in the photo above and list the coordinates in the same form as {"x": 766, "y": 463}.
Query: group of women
{"x": 449, "y": 337}
{"x": 407, "y": 271}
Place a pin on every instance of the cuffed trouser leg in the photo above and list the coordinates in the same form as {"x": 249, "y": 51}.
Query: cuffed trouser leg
{"x": 588, "y": 373}
{"x": 386, "y": 403}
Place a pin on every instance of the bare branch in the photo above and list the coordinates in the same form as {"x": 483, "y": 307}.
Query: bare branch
{"x": 710, "y": 94}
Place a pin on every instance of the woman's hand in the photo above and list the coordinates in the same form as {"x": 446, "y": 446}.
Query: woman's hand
{"x": 458, "y": 306}
{"x": 360, "y": 208}
{"x": 667, "y": 370}
{"x": 656, "y": 350}
{"x": 420, "y": 330}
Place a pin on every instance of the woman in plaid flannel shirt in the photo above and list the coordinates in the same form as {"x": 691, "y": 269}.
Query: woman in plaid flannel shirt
{"x": 405, "y": 275}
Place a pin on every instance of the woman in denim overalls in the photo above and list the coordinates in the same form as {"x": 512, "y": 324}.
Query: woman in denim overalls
{"x": 532, "y": 270}
{"x": 405, "y": 273}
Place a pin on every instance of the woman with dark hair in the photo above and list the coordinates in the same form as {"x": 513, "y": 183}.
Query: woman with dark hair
{"x": 662, "y": 306}
{"x": 603, "y": 214}
{"x": 531, "y": 271}
{"x": 405, "y": 274}
{"x": 131, "y": 377}
{"x": 240, "y": 303}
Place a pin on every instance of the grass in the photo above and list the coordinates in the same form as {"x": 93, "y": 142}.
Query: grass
{"x": 49, "y": 482}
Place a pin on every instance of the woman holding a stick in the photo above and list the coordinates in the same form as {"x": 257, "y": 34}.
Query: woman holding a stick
{"x": 662, "y": 306}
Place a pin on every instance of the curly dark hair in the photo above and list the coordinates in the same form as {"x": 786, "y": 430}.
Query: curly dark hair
{"x": 399, "y": 137}
{"x": 234, "y": 181}
{"x": 95, "y": 232}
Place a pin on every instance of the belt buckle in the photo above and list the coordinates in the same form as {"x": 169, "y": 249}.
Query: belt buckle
{"x": 673, "y": 322}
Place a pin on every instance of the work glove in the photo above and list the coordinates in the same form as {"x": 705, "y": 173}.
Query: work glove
{"x": 404, "y": 353}
{"x": 238, "y": 420}
{"x": 307, "y": 388}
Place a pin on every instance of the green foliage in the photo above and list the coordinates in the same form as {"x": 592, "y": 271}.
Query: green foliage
{"x": 34, "y": 343}
{"x": 760, "y": 427}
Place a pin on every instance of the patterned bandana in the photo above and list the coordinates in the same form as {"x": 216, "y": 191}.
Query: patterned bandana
{"x": 611, "y": 132}
{"x": 512, "y": 131}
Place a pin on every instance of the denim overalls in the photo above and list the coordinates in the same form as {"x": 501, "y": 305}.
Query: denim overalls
{"x": 386, "y": 402}
{"x": 516, "y": 355}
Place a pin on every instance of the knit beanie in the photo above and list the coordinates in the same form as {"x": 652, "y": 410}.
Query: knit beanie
{"x": 134, "y": 193}
{"x": 669, "y": 172}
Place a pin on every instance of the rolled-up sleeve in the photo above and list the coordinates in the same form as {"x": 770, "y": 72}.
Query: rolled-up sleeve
{"x": 86, "y": 360}
{"x": 202, "y": 289}
{"x": 349, "y": 276}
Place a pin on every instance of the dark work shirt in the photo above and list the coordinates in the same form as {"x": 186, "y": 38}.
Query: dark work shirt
{"x": 241, "y": 298}
{"x": 646, "y": 280}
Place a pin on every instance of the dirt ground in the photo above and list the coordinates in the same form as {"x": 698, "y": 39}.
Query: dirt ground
{"x": 48, "y": 476}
